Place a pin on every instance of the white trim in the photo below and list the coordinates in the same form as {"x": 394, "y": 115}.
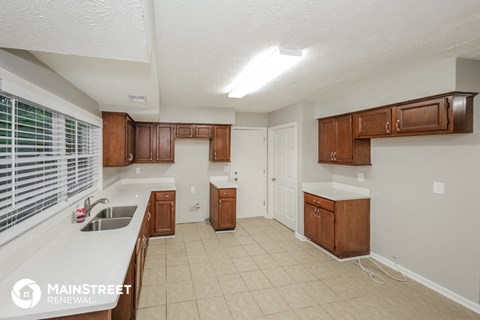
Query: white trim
{"x": 265, "y": 131}
{"x": 269, "y": 170}
{"x": 429, "y": 283}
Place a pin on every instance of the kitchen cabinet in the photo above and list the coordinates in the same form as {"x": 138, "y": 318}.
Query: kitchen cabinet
{"x": 118, "y": 139}
{"x": 223, "y": 208}
{"x": 424, "y": 116}
{"x": 373, "y": 123}
{"x": 141, "y": 253}
{"x": 194, "y": 131}
{"x": 336, "y": 143}
{"x": 447, "y": 113}
{"x": 154, "y": 143}
{"x": 341, "y": 227}
{"x": 163, "y": 215}
{"x": 125, "y": 309}
{"x": 220, "y": 143}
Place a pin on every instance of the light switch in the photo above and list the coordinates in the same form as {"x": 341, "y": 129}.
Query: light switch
{"x": 138, "y": 171}
{"x": 360, "y": 176}
{"x": 438, "y": 187}
{"x": 192, "y": 189}
{"x": 226, "y": 169}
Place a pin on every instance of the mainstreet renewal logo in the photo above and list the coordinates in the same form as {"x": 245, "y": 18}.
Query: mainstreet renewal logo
{"x": 26, "y": 293}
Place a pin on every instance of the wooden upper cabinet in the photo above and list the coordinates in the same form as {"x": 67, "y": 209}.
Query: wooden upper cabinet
{"x": 343, "y": 139}
{"x": 144, "y": 142}
{"x": 424, "y": 116}
{"x": 165, "y": 151}
{"x": 185, "y": 131}
{"x": 220, "y": 143}
{"x": 198, "y": 131}
{"x": 203, "y": 131}
{"x": 326, "y": 140}
{"x": 373, "y": 123}
{"x": 336, "y": 143}
{"x": 118, "y": 139}
{"x": 154, "y": 143}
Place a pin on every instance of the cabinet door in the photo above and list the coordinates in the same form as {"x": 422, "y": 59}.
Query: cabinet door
{"x": 326, "y": 229}
{"x": 185, "y": 131}
{"x": 374, "y": 123}
{"x": 144, "y": 142}
{"x": 343, "y": 139}
{"x": 226, "y": 213}
{"x": 130, "y": 140}
{"x": 220, "y": 144}
{"x": 326, "y": 140}
{"x": 165, "y": 144}
{"x": 310, "y": 222}
{"x": 164, "y": 222}
{"x": 203, "y": 131}
{"x": 422, "y": 116}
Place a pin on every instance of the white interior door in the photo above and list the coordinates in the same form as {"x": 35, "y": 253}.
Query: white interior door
{"x": 283, "y": 174}
{"x": 249, "y": 165}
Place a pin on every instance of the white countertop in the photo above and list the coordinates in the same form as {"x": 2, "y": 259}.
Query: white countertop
{"x": 335, "y": 191}
{"x": 222, "y": 182}
{"x": 73, "y": 257}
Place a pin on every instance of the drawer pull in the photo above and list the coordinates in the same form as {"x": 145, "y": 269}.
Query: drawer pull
{"x": 398, "y": 125}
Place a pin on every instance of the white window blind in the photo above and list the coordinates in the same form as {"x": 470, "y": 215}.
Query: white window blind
{"x": 46, "y": 157}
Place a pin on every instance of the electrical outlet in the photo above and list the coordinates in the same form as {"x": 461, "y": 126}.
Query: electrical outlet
{"x": 360, "y": 176}
{"x": 138, "y": 170}
{"x": 192, "y": 189}
{"x": 438, "y": 187}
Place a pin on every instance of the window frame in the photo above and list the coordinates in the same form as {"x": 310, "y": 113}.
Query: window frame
{"x": 63, "y": 209}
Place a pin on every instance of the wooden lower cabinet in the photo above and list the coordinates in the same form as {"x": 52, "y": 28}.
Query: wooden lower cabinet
{"x": 341, "y": 227}
{"x": 223, "y": 208}
{"x": 163, "y": 215}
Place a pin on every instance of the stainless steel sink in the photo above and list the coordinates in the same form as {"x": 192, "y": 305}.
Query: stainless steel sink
{"x": 116, "y": 212}
{"x": 106, "y": 224}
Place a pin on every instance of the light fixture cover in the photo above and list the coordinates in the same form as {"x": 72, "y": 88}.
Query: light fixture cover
{"x": 141, "y": 99}
{"x": 273, "y": 65}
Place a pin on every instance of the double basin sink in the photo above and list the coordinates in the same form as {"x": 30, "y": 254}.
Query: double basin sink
{"x": 111, "y": 218}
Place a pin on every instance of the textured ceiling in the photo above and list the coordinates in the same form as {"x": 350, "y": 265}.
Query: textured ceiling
{"x": 112, "y": 29}
{"x": 203, "y": 45}
{"x": 187, "y": 52}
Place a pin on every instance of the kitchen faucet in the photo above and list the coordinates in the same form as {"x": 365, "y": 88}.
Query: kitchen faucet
{"x": 88, "y": 207}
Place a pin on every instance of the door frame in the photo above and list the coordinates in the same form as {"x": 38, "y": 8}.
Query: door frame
{"x": 270, "y": 169}
{"x": 264, "y": 130}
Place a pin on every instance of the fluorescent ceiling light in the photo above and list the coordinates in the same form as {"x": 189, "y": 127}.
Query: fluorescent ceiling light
{"x": 266, "y": 69}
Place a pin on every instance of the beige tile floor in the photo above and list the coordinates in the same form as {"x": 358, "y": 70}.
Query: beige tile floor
{"x": 261, "y": 271}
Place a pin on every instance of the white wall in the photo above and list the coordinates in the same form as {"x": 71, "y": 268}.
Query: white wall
{"x": 191, "y": 169}
{"x": 197, "y": 115}
{"x": 251, "y": 119}
{"x": 307, "y": 168}
{"x": 436, "y": 236}
{"x": 25, "y": 66}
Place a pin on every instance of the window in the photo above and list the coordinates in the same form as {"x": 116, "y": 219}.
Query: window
{"x": 46, "y": 157}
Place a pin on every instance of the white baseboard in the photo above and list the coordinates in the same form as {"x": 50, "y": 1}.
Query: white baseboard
{"x": 301, "y": 237}
{"x": 428, "y": 283}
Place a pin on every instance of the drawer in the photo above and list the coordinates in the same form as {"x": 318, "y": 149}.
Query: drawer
{"x": 320, "y": 202}
{"x": 227, "y": 193}
{"x": 165, "y": 195}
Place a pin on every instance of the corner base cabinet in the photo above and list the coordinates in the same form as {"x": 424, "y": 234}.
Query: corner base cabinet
{"x": 223, "y": 208}
{"x": 163, "y": 216}
{"x": 341, "y": 227}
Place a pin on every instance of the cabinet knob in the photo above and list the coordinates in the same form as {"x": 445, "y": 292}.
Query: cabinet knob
{"x": 398, "y": 125}
{"x": 331, "y": 155}
{"x": 387, "y": 127}
{"x": 130, "y": 157}
{"x": 335, "y": 156}
{"x": 149, "y": 216}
